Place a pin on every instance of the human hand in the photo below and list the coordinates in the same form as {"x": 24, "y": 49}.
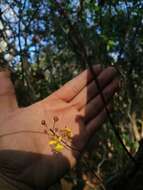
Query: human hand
{"x": 26, "y": 156}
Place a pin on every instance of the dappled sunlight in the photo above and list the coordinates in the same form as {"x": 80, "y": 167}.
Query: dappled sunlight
{"x": 55, "y": 127}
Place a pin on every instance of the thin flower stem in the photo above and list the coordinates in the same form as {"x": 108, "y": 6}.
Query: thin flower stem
{"x": 71, "y": 147}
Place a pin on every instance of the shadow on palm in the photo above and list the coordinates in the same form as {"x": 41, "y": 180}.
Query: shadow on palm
{"x": 25, "y": 154}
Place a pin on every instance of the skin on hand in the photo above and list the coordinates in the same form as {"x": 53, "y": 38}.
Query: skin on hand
{"x": 26, "y": 156}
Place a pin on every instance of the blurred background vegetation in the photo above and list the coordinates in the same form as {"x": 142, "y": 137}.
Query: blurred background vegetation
{"x": 43, "y": 52}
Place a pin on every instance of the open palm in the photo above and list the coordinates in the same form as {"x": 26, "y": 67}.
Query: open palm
{"x": 29, "y": 155}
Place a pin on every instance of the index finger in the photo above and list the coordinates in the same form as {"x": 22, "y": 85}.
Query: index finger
{"x": 74, "y": 86}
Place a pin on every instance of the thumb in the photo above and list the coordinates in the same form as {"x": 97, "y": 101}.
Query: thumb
{"x": 7, "y": 94}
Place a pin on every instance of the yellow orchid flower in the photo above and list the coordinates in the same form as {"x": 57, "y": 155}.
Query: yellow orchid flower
{"x": 56, "y": 144}
{"x": 52, "y": 142}
{"x": 58, "y": 148}
{"x": 66, "y": 133}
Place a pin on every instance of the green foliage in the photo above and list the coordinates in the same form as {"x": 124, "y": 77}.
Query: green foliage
{"x": 43, "y": 54}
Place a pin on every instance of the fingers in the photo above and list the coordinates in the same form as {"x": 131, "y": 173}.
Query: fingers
{"x": 73, "y": 87}
{"x": 91, "y": 90}
{"x": 92, "y": 109}
{"x": 95, "y": 123}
